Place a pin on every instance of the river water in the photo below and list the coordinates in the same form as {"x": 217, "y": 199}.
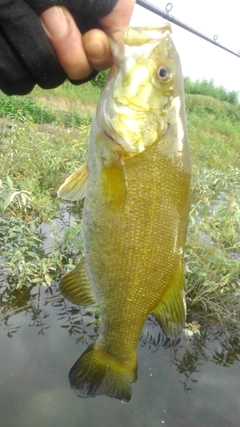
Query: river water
{"x": 186, "y": 383}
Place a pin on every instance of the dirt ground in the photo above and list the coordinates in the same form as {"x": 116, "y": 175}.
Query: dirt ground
{"x": 66, "y": 104}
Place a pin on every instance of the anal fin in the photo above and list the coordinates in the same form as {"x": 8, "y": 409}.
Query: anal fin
{"x": 75, "y": 286}
{"x": 170, "y": 313}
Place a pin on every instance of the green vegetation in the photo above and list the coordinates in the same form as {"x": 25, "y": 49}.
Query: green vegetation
{"x": 88, "y": 92}
{"x": 212, "y": 253}
{"x": 41, "y": 143}
{"x": 29, "y": 109}
{"x": 207, "y": 88}
{"x": 100, "y": 79}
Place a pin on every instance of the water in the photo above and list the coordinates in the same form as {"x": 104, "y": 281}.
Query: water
{"x": 186, "y": 383}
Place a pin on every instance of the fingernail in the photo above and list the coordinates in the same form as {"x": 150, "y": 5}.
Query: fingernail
{"x": 55, "y": 22}
{"x": 95, "y": 49}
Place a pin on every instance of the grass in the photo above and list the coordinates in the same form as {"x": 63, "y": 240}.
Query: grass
{"x": 35, "y": 160}
{"x": 87, "y": 92}
{"x": 46, "y": 106}
{"x": 214, "y": 137}
{"x": 212, "y": 253}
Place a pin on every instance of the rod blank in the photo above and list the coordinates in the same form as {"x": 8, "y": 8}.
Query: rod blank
{"x": 186, "y": 27}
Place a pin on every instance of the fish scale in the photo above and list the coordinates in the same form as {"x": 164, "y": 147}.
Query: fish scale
{"x": 142, "y": 258}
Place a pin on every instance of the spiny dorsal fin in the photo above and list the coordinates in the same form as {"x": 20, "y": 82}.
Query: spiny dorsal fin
{"x": 170, "y": 313}
{"x": 75, "y": 286}
{"x": 74, "y": 188}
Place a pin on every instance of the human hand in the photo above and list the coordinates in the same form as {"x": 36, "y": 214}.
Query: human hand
{"x": 27, "y": 56}
{"x": 79, "y": 54}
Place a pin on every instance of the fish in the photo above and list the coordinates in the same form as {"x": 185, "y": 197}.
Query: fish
{"x": 136, "y": 185}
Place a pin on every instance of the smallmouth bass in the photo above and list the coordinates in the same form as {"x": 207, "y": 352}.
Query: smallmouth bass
{"x": 136, "y": 185}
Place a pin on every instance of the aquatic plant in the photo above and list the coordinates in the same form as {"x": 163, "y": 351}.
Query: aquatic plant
{"x": 10, "y": 195}
{"x": 212, "y": 252}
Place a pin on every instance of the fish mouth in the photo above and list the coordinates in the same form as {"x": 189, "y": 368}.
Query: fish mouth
{"x": 137, "y": 108}
{"x": 125, "y": 106}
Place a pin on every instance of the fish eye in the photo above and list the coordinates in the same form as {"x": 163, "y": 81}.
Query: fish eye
{"x": 163, "y": 73}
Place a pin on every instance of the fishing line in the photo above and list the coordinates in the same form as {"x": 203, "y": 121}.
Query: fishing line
{"x": 166, "y": 15}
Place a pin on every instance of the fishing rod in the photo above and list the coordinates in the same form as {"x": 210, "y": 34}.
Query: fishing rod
{"x": 165, "y": 14}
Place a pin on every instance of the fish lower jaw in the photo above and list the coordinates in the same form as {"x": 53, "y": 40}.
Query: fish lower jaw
{"x": 128, "y": 110}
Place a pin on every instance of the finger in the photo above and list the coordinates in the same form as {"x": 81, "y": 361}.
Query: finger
{"x": 120, "y": 16}
{"x": 97, "y": 48}
{"x": 66, "y": 40}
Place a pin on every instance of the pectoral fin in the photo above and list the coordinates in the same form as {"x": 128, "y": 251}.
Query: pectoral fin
{"x": 114, "y": 183}
{"x": 113, "y": 174}
{"x": 75, "y": 286}
{"x": 74, "y": 187}
{"x": 170, "y": 313}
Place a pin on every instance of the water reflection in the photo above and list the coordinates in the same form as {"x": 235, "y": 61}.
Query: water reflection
{"x": 215, "y": 343}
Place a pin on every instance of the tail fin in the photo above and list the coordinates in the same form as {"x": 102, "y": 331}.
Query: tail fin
{"x": 97, "y": 373}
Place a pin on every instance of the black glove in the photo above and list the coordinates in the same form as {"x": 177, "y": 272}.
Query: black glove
{"x": 26, "y": 56}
